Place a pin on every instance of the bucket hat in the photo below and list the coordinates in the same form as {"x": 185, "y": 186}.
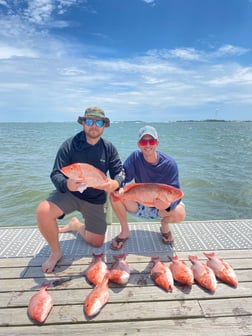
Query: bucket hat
{"x": 94, "y": 112}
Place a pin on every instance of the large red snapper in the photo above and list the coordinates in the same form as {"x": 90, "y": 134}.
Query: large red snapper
{"x": 96, "y": 270}
{"x": 222, "y": 269}
{"x": 97, "y": 298}
{"x": 40, "y": 305}
{"x": 146, "y": 193}
{"x": 161, "y": 274}
{"x": 119, "y": 271}
{"x": 85, "y": 172}
{"x": 180, "y": 271}
{"x": 203, "y": 274}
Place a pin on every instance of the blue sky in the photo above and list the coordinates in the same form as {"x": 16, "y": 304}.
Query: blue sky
{"x": 150, "y": 60}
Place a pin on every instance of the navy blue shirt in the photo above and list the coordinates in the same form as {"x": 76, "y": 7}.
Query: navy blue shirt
{"x": 103, "y": 155}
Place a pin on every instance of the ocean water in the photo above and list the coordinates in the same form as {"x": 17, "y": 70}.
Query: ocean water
{"x": 214, "y": 159}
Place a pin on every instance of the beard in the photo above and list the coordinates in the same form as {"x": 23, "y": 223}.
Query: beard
{"x": 94, "y": 133}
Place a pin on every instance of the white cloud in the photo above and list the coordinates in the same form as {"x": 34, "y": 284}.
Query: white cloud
{"x": 9, "y": 52}
{"x": 146, "y": 82}
{"x": 236, "y": 75}
{"x": 152, "y": 2}
{"x": 4, "y": 3}
{"x": 228, "y": 50}
{"x": 48, "y": 74}
{"x": 40, "y": 12}
{"x": 191, "y": 54}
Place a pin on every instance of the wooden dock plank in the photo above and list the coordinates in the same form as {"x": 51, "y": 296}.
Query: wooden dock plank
{"x": 229, "y": 307}
{"x": 146, "y": 293}
{"x": 75, "y": 270}
{"x": 123, "y": 311}
{"x": 137, "y": 311}
{"x": 11, "y": 268}
{"x": 198, "y": 326}
{"x": 140, "y": 307}
{"x": 37, "y": 260}
{"x": 139, "y": 279}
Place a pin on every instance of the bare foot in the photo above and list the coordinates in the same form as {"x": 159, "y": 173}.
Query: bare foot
{"x": 49, "y": 265}
{"x": 73, "y": 225}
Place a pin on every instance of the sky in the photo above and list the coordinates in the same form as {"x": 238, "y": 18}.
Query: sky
{"x": 149, "y": 60}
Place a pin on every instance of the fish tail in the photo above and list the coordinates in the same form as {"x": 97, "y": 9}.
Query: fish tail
{"x": 46, "y": 285}
{"x": 98, "y": 255}
{"x": 193, "y": 259}
{"x": 119, "y": 256}
{"x": 209, "y": 255}
{"x": 173, "y": 258}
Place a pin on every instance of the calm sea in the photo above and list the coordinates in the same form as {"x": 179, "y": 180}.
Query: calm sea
{"x": 214, "y": 158}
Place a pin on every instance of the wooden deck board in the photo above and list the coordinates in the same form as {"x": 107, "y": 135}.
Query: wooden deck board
{"x": 179, "y": 327}
{"x": 150, "y": 292}
{"x": 135, "y": 311}
{"x": 138, "y": 308}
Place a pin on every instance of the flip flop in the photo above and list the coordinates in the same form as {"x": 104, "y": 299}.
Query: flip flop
{"x": 165, "y": 237}
{"x": 118, "y": 240}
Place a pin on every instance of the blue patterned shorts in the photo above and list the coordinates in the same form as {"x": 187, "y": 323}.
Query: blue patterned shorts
{"x": 146, "y": 212}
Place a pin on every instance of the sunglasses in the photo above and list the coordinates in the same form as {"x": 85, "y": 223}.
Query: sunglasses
{"x": 98, "y": 123}
{"x": 144, "y": 142}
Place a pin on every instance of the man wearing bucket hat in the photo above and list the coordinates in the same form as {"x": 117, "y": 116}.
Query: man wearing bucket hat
{"x": 89, "y": 147}
{"x": 96, "y": 113}
{"x": 147, "y": 165}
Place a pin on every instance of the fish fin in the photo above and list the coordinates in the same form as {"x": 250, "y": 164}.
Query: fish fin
{"x": 129, "y": 186}
{"x": 155, "y": 275}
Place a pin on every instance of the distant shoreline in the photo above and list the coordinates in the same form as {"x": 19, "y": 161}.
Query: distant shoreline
{"x": 214, "y": 120}
{"x": 126, "y": 121}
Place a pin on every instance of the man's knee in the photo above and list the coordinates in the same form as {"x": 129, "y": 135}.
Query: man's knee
{"x": 177, "y": 215}
{"x": 94, "y": 239}
{"x": 180, "y": 213}
{"x": 97, "y": 244}
{"x": 48, "y": 209}
{"x": 42, "y": 209}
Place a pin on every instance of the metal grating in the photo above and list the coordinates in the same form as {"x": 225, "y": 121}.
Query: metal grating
{"x": 145, "y": 239}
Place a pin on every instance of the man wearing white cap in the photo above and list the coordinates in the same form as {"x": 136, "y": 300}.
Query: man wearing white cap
{"x": 147, "y": 165}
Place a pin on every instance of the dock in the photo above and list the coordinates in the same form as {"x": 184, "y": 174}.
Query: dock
{"x": 139, "y": 307}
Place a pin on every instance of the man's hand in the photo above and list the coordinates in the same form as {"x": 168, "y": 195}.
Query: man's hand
{"x": 74, "y": 185}
{"x": 109, "y": 186}
{"x": 160, "y": 205}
